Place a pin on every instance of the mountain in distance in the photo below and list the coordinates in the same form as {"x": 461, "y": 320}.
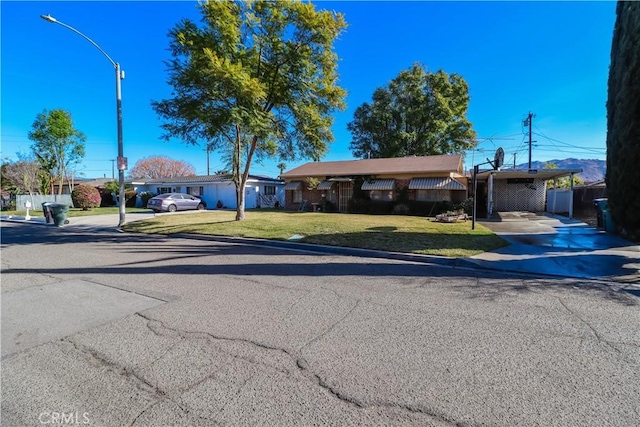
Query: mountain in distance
{"x": 592, "y": 169}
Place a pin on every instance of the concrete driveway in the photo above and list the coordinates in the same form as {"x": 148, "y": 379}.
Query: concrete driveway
{"x": 555, "y": 245}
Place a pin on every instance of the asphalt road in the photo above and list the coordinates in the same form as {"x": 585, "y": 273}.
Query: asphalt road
{"x": 112, "y": 329}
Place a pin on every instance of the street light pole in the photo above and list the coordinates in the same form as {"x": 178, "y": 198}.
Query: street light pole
{"x": 122, "y": 161}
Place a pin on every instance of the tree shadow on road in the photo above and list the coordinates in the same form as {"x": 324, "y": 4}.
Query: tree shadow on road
{"x": 184, "y": 255}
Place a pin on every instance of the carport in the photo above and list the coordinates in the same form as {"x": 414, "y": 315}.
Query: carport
{"x": 521, "y": 190}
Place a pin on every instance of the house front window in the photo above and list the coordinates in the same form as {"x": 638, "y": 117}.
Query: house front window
{"x": 297, "y": 196}
{"x": 381, "y": 195}
{"x": 195, "y": 191}
{"x": 163, "y": 190}
{"x": 433, "y": 195}
{"x": 269, "y": 190}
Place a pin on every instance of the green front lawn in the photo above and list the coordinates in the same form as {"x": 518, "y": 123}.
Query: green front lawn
{"x": 393, "y": 233}
{"x": 73, "y": 212}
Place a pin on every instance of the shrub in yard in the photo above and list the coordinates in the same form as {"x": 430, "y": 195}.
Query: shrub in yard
{"x": 400, "y": 209}
{"x": 329, "y": 206}
{"x": 466, "y": 206}
{"x": 145, "y": 196}
{"x": 366, "y": 206}
{"x": 106, "y": 198}
{"x": 130, "y": 198}
{"x": 421, "y": 208}
{"x": 85, "y": 197}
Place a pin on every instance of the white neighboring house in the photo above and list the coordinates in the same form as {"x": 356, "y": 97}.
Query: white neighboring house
{"x": 261, "y": 191}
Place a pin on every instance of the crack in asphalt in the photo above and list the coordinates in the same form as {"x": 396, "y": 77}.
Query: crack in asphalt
{"x": 302, "y": 366}
{"x": 155, "y": 392}
{"x": 330, "y": 328}
{"x": 303, "y": 296}
{"x": 599, "y": 337}
{"x": 154, "y": 403}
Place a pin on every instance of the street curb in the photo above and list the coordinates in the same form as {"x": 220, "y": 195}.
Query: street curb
{"x": 24, "y": 221}
{"x": 453, "y": 263}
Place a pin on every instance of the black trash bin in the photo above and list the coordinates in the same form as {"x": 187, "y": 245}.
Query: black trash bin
{"x": 46, "y": 210}
{"x": 59, "y": 213}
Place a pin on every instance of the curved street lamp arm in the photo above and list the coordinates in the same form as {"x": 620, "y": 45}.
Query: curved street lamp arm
{"x": 50, "y": 18}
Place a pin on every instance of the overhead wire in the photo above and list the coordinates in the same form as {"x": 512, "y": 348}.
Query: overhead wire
{"x": 566, "y": 144}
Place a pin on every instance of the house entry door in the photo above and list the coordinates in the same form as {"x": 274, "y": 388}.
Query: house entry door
{"x": 346, "y": 192}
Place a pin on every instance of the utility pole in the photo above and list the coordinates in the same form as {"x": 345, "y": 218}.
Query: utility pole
{"x": 514, "y": 160}
{"x": 113, "y": 174}
{"x": 527, "y": 122}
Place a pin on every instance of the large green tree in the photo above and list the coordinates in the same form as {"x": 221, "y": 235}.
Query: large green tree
{"x": 623, "y": 120}
{"x": 418, "y": 113}
{"x": 57, "y": 144}
{"x": 254, "y": 78}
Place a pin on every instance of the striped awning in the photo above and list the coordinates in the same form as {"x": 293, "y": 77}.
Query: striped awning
{"x": 325, "y": 185}
{"x": 435, "y": 184}
{"x": 293, "y": 185}
{"x": 378, "y": 184}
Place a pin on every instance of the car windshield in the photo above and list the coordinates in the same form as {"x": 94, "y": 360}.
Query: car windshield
{"x": 163, "y": 196}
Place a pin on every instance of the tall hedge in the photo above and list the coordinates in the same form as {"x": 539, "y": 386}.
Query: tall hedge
{"x": 623, "y": 120}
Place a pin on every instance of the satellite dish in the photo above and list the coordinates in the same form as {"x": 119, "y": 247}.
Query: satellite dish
{"x": 498, "y": 159}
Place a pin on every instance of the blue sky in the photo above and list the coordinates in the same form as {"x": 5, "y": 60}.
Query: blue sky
{"x": 550, "y": 58}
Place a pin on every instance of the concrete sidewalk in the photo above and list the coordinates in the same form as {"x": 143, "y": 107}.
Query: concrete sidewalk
{"x": 95, "y": 222}
{"x": 554, "y": 245}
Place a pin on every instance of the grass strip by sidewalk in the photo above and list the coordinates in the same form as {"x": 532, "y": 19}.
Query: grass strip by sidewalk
{"x": 393, "y": 233}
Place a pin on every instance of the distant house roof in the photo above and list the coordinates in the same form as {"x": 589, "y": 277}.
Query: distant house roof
{"x": 201, "y": 179}
{"x": 396, "y": 165}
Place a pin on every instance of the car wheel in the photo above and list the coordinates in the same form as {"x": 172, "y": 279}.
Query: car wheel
{"x": 172, "y": 208}
{"x": 200, "y": 207}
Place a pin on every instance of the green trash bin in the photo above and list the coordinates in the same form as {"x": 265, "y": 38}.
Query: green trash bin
{"x": 59, "y": 213}
{"x": 609, "y": 225}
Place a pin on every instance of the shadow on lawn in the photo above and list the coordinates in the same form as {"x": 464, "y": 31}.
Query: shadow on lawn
{"x": 386, "y": 239}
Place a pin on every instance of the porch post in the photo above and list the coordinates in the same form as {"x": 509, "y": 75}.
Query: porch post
{"x": 490, "y": 198}
{"x": 555, "y": 189}
{"x": 571, "y": 196}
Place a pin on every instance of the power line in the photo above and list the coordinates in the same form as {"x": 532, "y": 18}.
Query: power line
{"x": 568, "y": 144}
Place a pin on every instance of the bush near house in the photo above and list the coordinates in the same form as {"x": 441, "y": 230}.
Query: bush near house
{"x": 329, "y": 206}
{"x": 145, "y": 196}
{"x": 130, "y": 198}
{"x": 410, "y": 207}
{"x": 85, "y": 197}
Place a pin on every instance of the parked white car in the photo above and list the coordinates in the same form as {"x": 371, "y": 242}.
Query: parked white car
{"x": 172, "y": 202}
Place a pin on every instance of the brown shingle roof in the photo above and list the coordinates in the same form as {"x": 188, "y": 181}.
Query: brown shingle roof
{"x": 396, "y": 165}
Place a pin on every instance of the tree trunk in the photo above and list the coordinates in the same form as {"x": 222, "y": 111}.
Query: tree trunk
{"x": 241, "y": 183}
{"x": 60, "y": 185}
{"x": 240, "y": 199}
